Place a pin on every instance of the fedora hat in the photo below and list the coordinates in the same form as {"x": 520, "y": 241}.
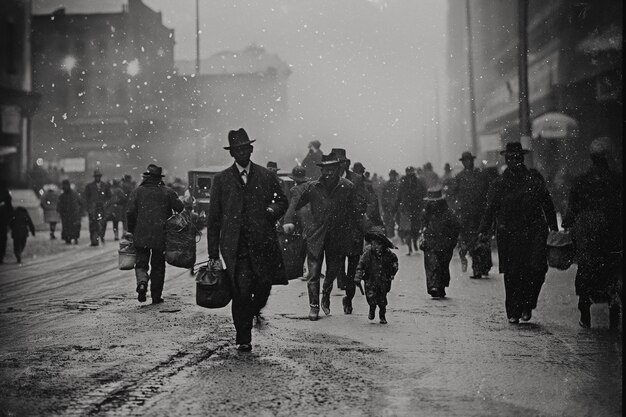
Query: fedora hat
{"x": 298, "y": 174}
{"x": 272, "y": 165}
{"x": 514, "y": 148}
{"x": 393, "y": 173}
{"x": 434, "y": 194}
{"x": 378, "y": 233}
{"x": 358, "y": 168}
{"x": 466, "y": 155}
{"x": 328, "y": 160}
{"x": 339, "y": 154}
{"x": 154, "y": 171}
{"x": 238, "y": 138}
{"x": 97, "y": 173}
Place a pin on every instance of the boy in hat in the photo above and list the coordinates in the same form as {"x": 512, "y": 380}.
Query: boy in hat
{"x": 377, "y": 267}
{"x": 440, "y": 233}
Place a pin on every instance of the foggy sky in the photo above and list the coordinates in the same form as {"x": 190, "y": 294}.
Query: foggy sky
{"x": 363, "y": 70}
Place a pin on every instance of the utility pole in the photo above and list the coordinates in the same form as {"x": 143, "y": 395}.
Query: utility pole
{"x": 437, "y": 119}
{"x": 470, "y": 73}
{"x": 197, "y": 37}
{"x": 522, "y": 50}
{"x": 196, "y": 93}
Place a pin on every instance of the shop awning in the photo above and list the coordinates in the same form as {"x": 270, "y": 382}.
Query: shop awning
{"x": 554, "y": 125}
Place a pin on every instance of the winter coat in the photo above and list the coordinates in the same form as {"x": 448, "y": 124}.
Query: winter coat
{"x": 521, "y": 207}
{"x": 470, "y": 191}
{"x": 21, "y": 223}
{"x": 6, "y": 208}
{"x": 49, "y": 202}
{"x": 150, "y": 205}
{"x": 309, "y": 163}
{"x": 335, "y": 217}
{"x": 377, "y": 268}
{"x": 238, "y": 208}
{"x": 390, "y": 196}
{"x": 304, "y": 219}
{"x": 411, "y": 193}
{"x": 116, "y": 206}
{"x": 70, "y": 209}
{"x": 96, "y": 199}
{"x": 595, "y": 217}
{"x": 441, "y": 227}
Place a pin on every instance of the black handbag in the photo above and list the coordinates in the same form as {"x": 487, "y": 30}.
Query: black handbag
{"x": 212, "y": 286}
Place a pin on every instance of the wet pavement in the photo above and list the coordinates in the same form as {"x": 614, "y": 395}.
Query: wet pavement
{"x": 76, "y": 342}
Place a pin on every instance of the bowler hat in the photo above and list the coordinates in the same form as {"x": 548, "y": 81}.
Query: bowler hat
{"x": 339, "y": 154}
{"x": 238, "y": 138}
{"x": 154, "y": 171}
{"x": 434, "y": 194}
{"x": 328, "y": 160}
{"x": 358, "y": 168}
{"x": 97, "y": 173}
{"x": 272, "y": 165}
{"x": 466, "y": 155}
{"x": 514, "y": 148}
{"x": 378, "y": 233}
{"x": 298, "y": 174}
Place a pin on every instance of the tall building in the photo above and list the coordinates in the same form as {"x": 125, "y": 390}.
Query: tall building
{"x": 246, "y": 89}
{"x": 103, "y": 70}
{"x": 17, "y": 101}
{"x": 574, "y": 74}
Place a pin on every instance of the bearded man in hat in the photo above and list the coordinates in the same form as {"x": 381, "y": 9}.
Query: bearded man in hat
{"x": 595, "y": 218}
{"x": 389, "y": 203}
{"x": 97, "y": 195}
{"x": 334, "y": 217}
{"x": 470, "y": 191}
{"x": 150, "y": 205}
{"x": 520, "y": 206}
{"x": 313, "y": 157}
{"x": 246, "y": 202}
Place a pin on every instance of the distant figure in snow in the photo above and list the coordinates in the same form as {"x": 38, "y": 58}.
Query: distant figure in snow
{"x": 20, "y": 225}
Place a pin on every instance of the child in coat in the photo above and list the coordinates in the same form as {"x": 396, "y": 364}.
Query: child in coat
{"x": 20, "y": 225}
{"x": 377, "y": 267}
{"x": 440, "y": 234}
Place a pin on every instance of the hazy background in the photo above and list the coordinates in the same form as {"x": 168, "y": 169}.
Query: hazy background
{"x": 364, "y": 72}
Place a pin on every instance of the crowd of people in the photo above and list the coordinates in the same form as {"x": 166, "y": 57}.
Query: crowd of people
{"x": 349, "y": 219}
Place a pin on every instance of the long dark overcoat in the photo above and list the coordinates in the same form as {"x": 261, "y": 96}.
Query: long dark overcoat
{"x": 470, "y": 190}
{"x": 595, "y": 216}
{"x": 96, "y": 199}
{"x": 522, "y": 209}
{"x": 335, "y": 218}
{"x": 411, "y": 193}
{"x": 70, "y": 208}
{"x": 150, "y": 205}
{"x": 226, "y": 218}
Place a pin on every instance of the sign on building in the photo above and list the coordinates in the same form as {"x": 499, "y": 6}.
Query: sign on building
{"x": 73, "y": 164}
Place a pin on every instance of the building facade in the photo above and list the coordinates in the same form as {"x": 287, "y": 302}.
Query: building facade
{"x": 104, "y": 78}
{"x": 17, "y": 101}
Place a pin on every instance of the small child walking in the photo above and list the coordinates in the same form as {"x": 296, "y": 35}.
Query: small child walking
{"x": 377, "y": 267}
{"x": 440, "y": 234}
{"x": 20, "y": 225}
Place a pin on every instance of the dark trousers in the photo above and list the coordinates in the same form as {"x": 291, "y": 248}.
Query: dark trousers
{"x": 334, "y": 265}
{"x": 3, "y": 238}
{"x": 97, "y": 226}
{"x": 19, "y": 243}
{"x": 249, "y": 297}
{"x": 522, "y": 291}
{"x": 154, "y": 260}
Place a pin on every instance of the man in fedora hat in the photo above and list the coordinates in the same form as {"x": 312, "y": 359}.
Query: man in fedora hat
{"x": 440, "y": 233}
{"x": 313, "y": 157}
{"x": 97, "y": 195}
{"x": 520, "y": 206}
{"x": 246, "y": 202}
{"x": 470, "y": 191}
{"x": 389, "y": 200}
{"x": 595, "y": 218}
{"x": 149, "y": 207}
{"x": 334, "y": 218}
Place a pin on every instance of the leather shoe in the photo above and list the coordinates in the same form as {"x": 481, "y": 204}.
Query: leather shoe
{"x": 526, "y": 315}
{"x": 513, "y": 320}
{"x": 157, "y": 300}
{"x": 314, "y": 313}
{"x": 141, "y": 293}
{"x": 244, "y": 347}
{"x": 326, "y": 304}
{"x": 372, "y": 313}
{"x": 347, "y": 306}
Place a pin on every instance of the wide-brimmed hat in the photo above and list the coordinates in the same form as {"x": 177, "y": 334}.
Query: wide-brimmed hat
{"x": 97, "y": 173}
{"x": 378, "y": 233}
{"x": 154, "y": 171}
{"x": 358, "y": 168}
{"x": 328, "y": 160}
{"x": 238, "y": 138}
{"x": 514, "y": 148}
{"x": 466, "y": 155}
{"x": 272, "y": 165}
{"x": 434, "y": 194}
{"x": 298, "y": 174}
{"x": 339, "y": 154}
